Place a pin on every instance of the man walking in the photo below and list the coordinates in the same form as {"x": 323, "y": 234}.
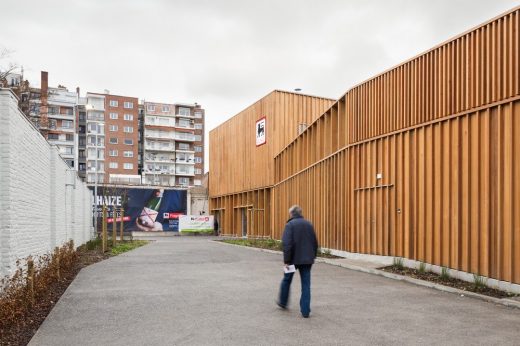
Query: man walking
{"x": 300, "y": 247}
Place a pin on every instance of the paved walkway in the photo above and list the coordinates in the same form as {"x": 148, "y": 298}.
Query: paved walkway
{"x": 191, "y": 291}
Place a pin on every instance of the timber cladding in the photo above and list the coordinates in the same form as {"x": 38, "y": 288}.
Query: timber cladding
{"x": 237, "y": 164}
{"x": 242, "y": 172}
{"x": 421, "y": 161}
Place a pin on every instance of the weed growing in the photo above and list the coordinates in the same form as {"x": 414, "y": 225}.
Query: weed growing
{"x": 398, "y": 263}
{"x": 445, "y": 273}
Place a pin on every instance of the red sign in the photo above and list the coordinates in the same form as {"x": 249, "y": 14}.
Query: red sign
{"x": 111, "y": 219}
{"x": 171, "y": 216}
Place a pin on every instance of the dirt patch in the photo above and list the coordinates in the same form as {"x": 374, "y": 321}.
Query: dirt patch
{"x": 451, "y": 282}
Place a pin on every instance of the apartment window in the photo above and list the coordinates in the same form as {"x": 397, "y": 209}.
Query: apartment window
{"x": 198, "y": 138}
{"x": 198, "y": 148}
{"x": 184, "y": 111}
{"x": 112, "y": 152}
{"x": 82, "y": 141}
{"x": 129, "y": 105}
{"x": 81, "y": 129}
{"x": 165, "y": 108}
{"x": 66, "y": 150}
{"x": 198, "y": 171}
{"x": 128, "y": 165}
{"x": 66, "y": 124}
{"x": 129, "y": 141}
{"x": 128, "y": 154}
{"x": 184, "y": 146}
{"x": 82, "y": 167}
{"x": 112, "y": 165}
{"x": 69, "y": 137}
{"x": 198, "y": 126}
{"x": 184, "y": 123}
{"x": 113, "y": 128}
{"x": 52, "y": 124}
{"x": 129, "y": 117}
{"x": 114, "y": 116}
{"x": 53, "y": 110}
{"x": 53, "y": 136}
{"x": 198, "y": 114}
{"x": 82, "y": 116}
{"x": 184, "y": 181}
{"x": 114, "y": 103}
{"x": 128, "y": 129}
{"x": 198, "y": 159}
{"x": 81, "y": 154}
{"x": 151, "y": 108}
{"x": 113, "y": 140}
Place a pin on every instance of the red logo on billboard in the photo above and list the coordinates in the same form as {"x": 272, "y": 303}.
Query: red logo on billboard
{"x": 111, "y": 219}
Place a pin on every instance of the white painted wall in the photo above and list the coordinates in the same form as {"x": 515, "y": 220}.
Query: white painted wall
{"x": 43, "y": 203}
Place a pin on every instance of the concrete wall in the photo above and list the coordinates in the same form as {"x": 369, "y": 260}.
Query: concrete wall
{"x": 43, "y": 203}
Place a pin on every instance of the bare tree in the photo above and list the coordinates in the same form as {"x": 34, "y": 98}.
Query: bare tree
{"x": 6, "y": 68}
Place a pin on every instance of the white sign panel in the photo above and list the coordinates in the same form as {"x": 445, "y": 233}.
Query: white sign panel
{"x": 261, "y": 129}
{"x": 196, "y": 223}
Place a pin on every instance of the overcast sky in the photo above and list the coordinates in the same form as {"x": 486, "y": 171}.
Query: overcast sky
{"x": 226, "y": 54}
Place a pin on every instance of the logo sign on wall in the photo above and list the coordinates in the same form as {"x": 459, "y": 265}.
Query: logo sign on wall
{"x": 196, "y": 223}
{"x": 261, "y": 129}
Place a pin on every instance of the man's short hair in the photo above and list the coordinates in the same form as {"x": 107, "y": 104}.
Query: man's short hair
{"x": 295, "y": 210}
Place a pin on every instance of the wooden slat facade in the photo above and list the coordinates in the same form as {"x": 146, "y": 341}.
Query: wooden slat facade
{"x": 443, "y": 132}
{"x": 241, "y": 173}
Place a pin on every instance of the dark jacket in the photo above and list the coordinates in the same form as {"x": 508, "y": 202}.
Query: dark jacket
{"x": 300, "y": 245}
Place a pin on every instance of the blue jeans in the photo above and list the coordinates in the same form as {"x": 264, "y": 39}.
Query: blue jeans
{"x": 305, "y": 299}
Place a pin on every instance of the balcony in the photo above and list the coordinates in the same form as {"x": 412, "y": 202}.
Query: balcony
{"x": 95, "y": 117}
{"x": 160, "y": 172}
{"x": 187, "y": 127}
{"x": 60, "y": 116}
{"x": 185, "y": 137}
{"x": 168, "y": 148}
{"x": 93, "y": 158}
{"x": 183, "y": 172}
{"x": 63, "y": 129}
{"x": 94, "y": 133}
{"x": 185, "y": 162}
{"x": 191, "y": 116}
{"x": 159, "y": 159}
{"x": 186, "y": 151}
{"x": 61, "y": 142}
{"x": 164, "y": 136}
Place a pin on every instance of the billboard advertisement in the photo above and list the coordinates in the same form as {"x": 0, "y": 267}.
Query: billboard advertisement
{"x": 145, "y": 210}
{"x": 196, "y": 223}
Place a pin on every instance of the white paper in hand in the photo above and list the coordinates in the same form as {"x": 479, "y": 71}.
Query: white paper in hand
{"x": 289, "y": 269}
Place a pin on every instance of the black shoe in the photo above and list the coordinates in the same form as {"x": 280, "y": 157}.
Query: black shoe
{"x": 305, "y": 316}
{"x": 281, "y": 305}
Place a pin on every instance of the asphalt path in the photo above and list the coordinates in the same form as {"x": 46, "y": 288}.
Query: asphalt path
{"x": 194, "y": 291}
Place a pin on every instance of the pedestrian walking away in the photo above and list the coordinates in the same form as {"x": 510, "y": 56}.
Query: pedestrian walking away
{"x": 300, "y": 248}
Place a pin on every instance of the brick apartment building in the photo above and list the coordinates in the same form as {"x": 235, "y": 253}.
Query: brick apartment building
{"x": 53, "y": 110}
{"x": 173, "y": 144}
{"x": 116, "y": 139}
{"x": 109, "y": 126}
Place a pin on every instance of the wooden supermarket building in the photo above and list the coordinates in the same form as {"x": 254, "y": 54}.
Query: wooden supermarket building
{"x": 420, "y": 162}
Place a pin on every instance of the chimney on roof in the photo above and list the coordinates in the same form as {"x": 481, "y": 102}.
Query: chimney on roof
{"x": 44, "y": 120}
